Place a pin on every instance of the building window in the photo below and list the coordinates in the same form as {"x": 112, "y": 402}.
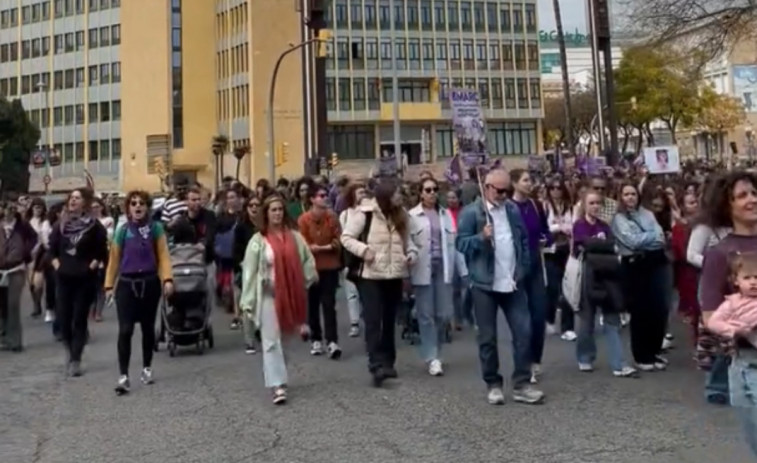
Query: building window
{"x": 352, "y": 141}
{"x": 511, "y": 138}
{"x": 358, "y": 94}
{"x": 93, "y": 38}
{"x": 345, "y": 95}
{"x": 105, "y": 73}
{"x": 176, "y": 80}
{"x": 104, "y": 111}
{"x": 445, "y": 142}
{"x": 535, "y": 88}
{"x": 115, "y": 72}
{"x": 115, "y": 34}
{"x": 104, "y": 36}
{"x": 94, "y": 150}
{"x": 374, "y": 94}
{"x": 330, "y": 94}
{"x": 116, "y": 110}
{"x": 530, "y": 17}
{"x": 115, "y": 146}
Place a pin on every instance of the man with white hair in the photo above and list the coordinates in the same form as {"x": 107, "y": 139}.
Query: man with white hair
{"x": 493, "y": 239}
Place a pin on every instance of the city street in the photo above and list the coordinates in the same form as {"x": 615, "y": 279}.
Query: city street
{"x": 213, "y": 408}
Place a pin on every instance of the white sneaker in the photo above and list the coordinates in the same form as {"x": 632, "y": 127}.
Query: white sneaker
{"x": 335, "y": 353}
{"x": 585, "y": 367}
{"x": 551, "y": 329}
{"x": 316, "y": 348}
{"x": 123, "y": 386}
{"x": 49, "y": 316}
{"x": 354, "y": 330}
{"x": 435, "y": 368}
{"x": 626, "y": 372}
{"x": 146, "y": 376}
{"x": 667, "y": 344}
{"x": 535, "y": 373}
{"x": 495, "y": 396}
{"x": 569, "y": 336}
{"x": 625, "y": 318}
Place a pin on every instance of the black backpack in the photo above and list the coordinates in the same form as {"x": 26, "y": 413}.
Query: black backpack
{"x": 355, "y": 263}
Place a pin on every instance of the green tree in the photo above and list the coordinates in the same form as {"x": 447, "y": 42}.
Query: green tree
{"x": 664, "y": 83}
{"x": 18, "y": 138}
{"x": 583, "y": 109}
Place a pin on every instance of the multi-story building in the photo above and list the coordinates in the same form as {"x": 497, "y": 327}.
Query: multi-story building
{"x": 189, "y": 71}
{"x": 61, "y": 58}
{"x": 489, "y": 45}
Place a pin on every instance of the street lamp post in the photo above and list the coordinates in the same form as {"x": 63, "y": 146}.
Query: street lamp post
{"x": 43, "y": 89}
{"x": 271, "y": 94}
{"x": 395, "y": 88}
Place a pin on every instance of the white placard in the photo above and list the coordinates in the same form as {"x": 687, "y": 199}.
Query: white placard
{"x": 662, "y": 159}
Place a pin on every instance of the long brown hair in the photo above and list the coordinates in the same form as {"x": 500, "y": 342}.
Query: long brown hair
{"x": 621, "y": 205}
{"x": 350, "y": 200}
{"x": 287, "y": 222}
{"x": 394, "y": 214}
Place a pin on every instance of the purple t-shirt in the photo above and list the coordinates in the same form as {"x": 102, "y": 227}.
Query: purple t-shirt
{"x": 536, "y": 225}
{"x": 583, "y": 231}
{"x": 138, "y": 248}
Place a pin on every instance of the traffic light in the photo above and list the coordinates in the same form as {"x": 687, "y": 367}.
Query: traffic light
{"x": 285, "y": 152}
{"x": 324, "y": 42}
{"x": 334, "y": 160}
{"x": 279, "y": 156}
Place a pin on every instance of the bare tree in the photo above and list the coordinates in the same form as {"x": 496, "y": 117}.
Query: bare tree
{"x": 710, "y": 26}
{"x": 565, "y": 77}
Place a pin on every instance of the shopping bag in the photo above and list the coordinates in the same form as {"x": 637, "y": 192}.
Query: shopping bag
{"x": 571, "y": 282}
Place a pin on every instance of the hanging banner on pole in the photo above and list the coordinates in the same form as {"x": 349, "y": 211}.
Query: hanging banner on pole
{"x": 469, "y": 126}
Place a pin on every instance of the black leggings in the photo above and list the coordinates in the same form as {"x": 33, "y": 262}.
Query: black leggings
{"x": 136, "y": 302}
{"x": 75, "y": 296}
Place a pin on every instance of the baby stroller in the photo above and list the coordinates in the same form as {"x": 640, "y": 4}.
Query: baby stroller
{"x": 185, "y": 315}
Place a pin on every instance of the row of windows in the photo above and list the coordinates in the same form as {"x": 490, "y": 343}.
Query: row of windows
{"x": 37, "y": 12}
{"x": 233, "y": 103}
{"x": 367, "y": 94}
{"x": 99, "y": 150}
{"x": 177, "y": 86}
{"x": 100, "y": 74}
{"x": 232, "y": 21}
{"x": 463, "y": 15}
{"x": 63, "y": 43}
{"x": 502, "y": 138}
{"x": 233, "y": 61}
{"x": 439, "y": 54}
{"x": 104, "y": 111}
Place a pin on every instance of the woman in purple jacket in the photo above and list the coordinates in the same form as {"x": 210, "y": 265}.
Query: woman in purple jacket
{"x": 538, "y": 236}
{"x": 600, "y": 289}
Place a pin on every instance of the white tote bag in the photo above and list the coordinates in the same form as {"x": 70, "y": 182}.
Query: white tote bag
{"x": 572, "y": 280}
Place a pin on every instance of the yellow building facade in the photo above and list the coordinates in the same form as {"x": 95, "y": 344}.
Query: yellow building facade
{"x": 201, "y": 70}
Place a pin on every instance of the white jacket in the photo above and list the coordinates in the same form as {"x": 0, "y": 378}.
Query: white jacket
{"x": 558, "y": 223}
{"x": 420, "y": 232}
{"x": 392, "y": 250}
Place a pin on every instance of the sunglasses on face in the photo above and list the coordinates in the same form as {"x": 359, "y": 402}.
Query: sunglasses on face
{"x": 500, "y": 191}
{"x": 321, "y": 195}
{"x": 253, "y": 205}
{"x": 137, "y": 203}
{"x": 431, "y": 189}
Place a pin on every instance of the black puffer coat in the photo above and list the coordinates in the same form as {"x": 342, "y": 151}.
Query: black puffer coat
{"x": 601, "y": 276}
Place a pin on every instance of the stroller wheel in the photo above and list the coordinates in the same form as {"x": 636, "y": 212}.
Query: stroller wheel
{"x": 171, "y": 349}
{"x": 200, "y": 347}
{"x": 209, "y": 337}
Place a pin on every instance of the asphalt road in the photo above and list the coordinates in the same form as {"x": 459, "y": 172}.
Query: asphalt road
{"x": 214, "y": 408}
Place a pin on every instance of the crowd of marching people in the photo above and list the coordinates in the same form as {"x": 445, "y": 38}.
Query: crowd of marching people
{"x": 560, "y": 253}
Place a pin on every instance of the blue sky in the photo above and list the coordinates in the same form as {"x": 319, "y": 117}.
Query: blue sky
{"x": 573, "y": 15}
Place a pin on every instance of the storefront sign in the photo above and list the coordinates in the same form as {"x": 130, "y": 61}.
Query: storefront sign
{"x": 572, "y": 39}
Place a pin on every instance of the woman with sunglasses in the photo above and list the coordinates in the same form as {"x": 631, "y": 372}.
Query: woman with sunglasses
{"x": 140, "y": 261}
{"x": 246, "y": 229}
{"x": 433, "y": 232}
{"x": 78, "y": 244}
{"x": 558, "y": 206}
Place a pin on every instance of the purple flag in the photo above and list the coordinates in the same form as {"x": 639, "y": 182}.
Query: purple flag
{"x": 454, "y": 173}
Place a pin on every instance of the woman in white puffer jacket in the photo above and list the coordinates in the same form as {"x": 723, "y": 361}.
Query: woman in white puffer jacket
{"x": 378, "y": 232}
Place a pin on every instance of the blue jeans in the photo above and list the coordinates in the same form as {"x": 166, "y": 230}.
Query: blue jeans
{"x": 461, "y": 299}
{"x": 717, "y": 381}
{"x": 586, "y": 345}
{"x": 515, "y": 307}
{"x": 742, "y": 376}
{"x": 433, "y": 305}
{"x": 536, "y": 293}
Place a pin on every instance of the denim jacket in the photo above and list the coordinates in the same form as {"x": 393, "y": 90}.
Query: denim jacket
{"x": 478, "y": 251}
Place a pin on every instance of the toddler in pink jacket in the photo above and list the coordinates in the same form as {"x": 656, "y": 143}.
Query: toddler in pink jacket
{"x": 737, "y": 315}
